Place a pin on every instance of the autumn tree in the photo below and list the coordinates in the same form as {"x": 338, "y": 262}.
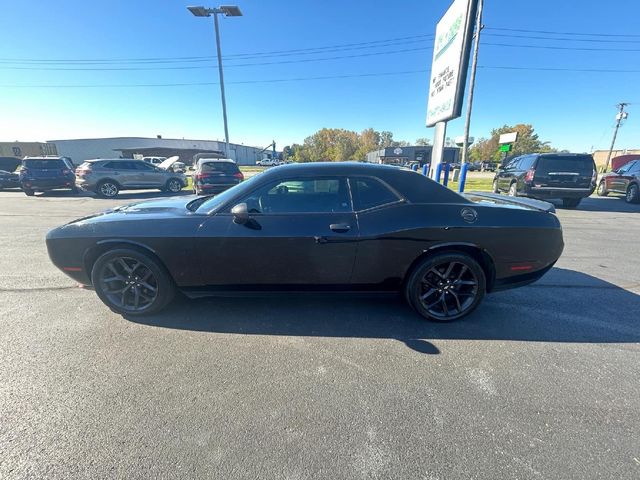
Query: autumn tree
{"x": 528, "y": 142}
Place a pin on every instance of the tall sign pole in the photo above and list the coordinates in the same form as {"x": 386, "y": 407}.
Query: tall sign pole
{"x": 449, "y": 72}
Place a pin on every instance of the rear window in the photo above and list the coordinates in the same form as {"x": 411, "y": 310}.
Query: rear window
{"x": 579, "y": 164}
{"x": 223, "y": 167}
{"x": 42, "y": 164}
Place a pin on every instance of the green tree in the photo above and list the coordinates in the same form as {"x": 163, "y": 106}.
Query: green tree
{"x": 527, "y": 142}
{"x": 423, "y": 141}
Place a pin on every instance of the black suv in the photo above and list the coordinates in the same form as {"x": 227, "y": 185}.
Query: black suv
{"x": 39, "y": 174}
{"x": 566, "y": 176}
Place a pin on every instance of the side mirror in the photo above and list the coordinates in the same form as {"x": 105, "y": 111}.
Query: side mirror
{"x": 240, "y": 213}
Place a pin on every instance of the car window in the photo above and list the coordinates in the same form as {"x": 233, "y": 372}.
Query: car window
{"x": 635, "y": 168}
{"x": 526, "y": 162}
{"x": 143, "y": 166}
{"x": 43, "y": 164}
{"x": 221, "y": 167}
{"x": 369, "y": 193}
{"x": 304, "y": 195}
{"x": 581, "y": 164}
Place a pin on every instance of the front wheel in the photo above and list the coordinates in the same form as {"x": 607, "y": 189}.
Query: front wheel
{"x": 633, "y": 194}
{"x": 602, "y": 190}
{"x": 571, "y": 202}
{"x": 173, "y": 186}
{"x": 130, "y": 282}
{"x": 446, "y": 286}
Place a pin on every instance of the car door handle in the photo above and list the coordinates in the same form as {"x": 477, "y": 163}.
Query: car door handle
{"x": 340, "y": 227}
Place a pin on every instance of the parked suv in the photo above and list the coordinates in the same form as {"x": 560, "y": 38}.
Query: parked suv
{"x": 214, "y": 175}
{"x": 566, "y": 176}
{"x": 39, "y": 174}
{"x": 106, "y": 177}
{"x": 625, "y": 180}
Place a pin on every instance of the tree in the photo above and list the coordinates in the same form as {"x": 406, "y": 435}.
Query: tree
{"x": 423, "y": 141}
{"x": 528, "y": 142}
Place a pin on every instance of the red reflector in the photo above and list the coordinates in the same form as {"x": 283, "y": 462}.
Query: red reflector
{"x": 72, "y": 269}
{"x": 515, "y": 268}
{"x": 239, "y": 175}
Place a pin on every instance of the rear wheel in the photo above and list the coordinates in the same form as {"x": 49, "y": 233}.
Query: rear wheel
{"x": 446, "y": 286}
{"x": 571, "y": 202}
{"x": 130, "y": 282}
{"x": 28, "y": 192}
{"x": 633, "y": 194}
{"x": 107, "y": 189}
{"x": 495, "y": 187}
{"x": 602, "y": 189}
{"x": 513, "y": 190}
{"x": 173, "y": 186}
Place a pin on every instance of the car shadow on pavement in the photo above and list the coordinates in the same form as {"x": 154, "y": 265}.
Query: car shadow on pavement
{"x": 605, "y": 204}
{"x": 564, "y": 306}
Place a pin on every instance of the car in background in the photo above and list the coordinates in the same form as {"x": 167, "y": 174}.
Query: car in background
{"x": 106, "y": 177}
{"x": 474, "y": 167}
{"x": 569, "y": 177}
{"x": 154, "y": 160}
{"x": 488, "y": 166}
{"x": 40, "y": 174}
{"x": 215, "y": 175}
{"x": 9, "y": 164}
{"x": 267, "y": 162}
{"x": 624, "y": 181}
{"x": 9, "y": 180}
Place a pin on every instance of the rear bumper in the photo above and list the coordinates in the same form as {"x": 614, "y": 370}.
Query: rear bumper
{"x": 47, "y": 184}
{"x": 558, "y": 192}
{"x": 210, "y": 187}
{"x": 519, "y": 280}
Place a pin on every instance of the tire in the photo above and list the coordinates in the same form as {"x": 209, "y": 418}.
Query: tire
{"x": 107, "y": 189}
{"x": 513, "y": 190}
{"x": 602, "y": 189}
{"x": 75, "y": 190}
{"x": 495, "y": 187}
{"x": 132, "y": 283}
{"x": 173, "y": 185}
{"x": 28, "y": 193}
{"x": 571, "y": 202}
{"x": 432, "y": 297}
{"x": 633, "y": 194}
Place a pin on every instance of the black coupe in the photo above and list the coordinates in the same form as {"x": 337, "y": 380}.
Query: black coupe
{"x": 322, "y": 227}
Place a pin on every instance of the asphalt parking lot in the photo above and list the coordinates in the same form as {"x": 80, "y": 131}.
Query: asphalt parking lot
{"x": 540, "y": 382}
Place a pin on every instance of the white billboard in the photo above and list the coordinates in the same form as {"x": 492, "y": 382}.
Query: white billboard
{"x": 508, "y": 137}
{"x": 450, "y": 60}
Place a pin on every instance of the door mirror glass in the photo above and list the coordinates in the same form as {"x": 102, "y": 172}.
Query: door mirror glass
{"x": 240, "y": 213}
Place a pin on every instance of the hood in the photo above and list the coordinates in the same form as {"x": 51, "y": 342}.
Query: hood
{"x": 173, "y": 204}
{"x": 497, "y": 200}
{"x": 168, "y": 162}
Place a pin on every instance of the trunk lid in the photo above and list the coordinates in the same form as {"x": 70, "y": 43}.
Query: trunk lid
{"x": 497, "y": 200}
{"x": 564, "y": 171}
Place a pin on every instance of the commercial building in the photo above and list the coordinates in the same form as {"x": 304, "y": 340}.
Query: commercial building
{"x": 600, "y": 156}
{"x": 87, "y": 148}
{"x": 403, "y": 155}
{"x": 26, "y": 149}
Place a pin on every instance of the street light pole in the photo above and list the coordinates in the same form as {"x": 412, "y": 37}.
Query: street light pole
{"x": 619, "y": 117}
{"x": 224, "y": 101}
{"x": 228, "y": 11}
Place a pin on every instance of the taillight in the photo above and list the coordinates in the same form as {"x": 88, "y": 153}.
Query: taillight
{"x": 239, "y": 176}
{"x": 66, "y": 171}
{"x": 528, "y": 177}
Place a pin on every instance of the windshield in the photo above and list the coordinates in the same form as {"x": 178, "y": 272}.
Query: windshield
{"x": 43, "y": 164}
{"x": 213, "y": 204}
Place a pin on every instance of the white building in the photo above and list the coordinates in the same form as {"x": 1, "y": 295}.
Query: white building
{"x": 87, "y": 148}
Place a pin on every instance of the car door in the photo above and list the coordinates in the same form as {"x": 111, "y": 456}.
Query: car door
{"x": 626, "y": 176}
{"x": 122, "y": 171}
{"x": 617, "y": 182}
{"x": 302, "y": 231}
{"x": 506, "y": 175}
{"x": 150, "y": 176}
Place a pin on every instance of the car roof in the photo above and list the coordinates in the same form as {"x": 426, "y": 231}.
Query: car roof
{"x": 211, "y": 160}
{"x": 113, "y": 160}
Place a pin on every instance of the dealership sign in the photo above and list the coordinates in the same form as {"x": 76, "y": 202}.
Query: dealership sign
{"x": 450, "y": 60}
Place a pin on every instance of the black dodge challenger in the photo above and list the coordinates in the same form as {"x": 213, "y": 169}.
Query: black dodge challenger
{"x": 321, "y": 227}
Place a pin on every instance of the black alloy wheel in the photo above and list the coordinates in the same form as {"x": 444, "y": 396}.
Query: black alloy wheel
{"x": 446, "y": 287}
{"x": 131, "y": 283}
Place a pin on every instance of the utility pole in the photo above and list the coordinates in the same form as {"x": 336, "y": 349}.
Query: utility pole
{"x": 472, "y": 82}
{"x": 619, "y": 117}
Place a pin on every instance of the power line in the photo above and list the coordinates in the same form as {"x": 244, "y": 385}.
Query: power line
{"x": 564, "y": 39}
{"x": 324, "y": 77}
{"x": 592, "y": 34}
{"x": 554, "y": 47}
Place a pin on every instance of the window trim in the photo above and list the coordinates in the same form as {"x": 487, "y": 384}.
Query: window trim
{"x": 401, "y": 198}
{"x": 226, "y": 209}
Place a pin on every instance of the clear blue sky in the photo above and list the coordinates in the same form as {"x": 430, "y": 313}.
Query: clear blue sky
{"x": 573, "y": 110}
